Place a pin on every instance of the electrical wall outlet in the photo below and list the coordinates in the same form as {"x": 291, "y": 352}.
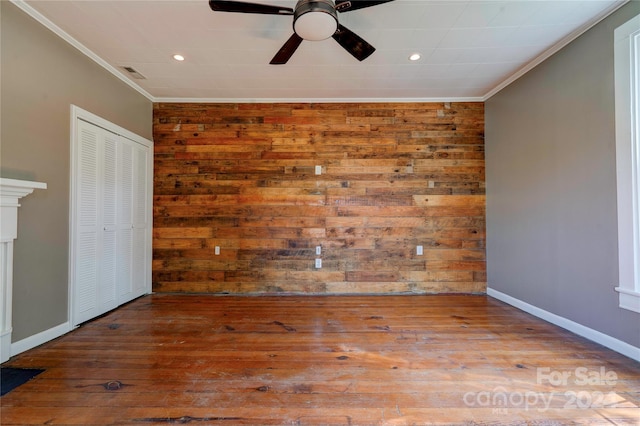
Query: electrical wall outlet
{"x": 318, "y": 250}
{"x": 318, "y": 263}
{"x": 217, "y": 250}
{"x": 419, "y": 250}
{"x": 318, "y": 170}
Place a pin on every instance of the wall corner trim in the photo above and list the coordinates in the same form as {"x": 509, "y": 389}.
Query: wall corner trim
{"x": 40, "y": 338}
{"x": 574, "y": 327}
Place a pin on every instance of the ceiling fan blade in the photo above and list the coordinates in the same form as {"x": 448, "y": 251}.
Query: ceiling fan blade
{"x": 349, "y": 5}
{"x": 353, "y": 43}
{"x": 287, "y": 50}
{"x": 244, "y": 7}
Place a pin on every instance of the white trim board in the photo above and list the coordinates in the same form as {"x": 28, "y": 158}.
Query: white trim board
{"x": 579, "y": 329}
{"x": 627, "y": 101}
{"x": 40, "y": 338}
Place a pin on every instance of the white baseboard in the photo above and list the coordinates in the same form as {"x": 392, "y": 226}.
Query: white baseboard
{"x": 579, "y": 329}
{"x": 40, "y": 338}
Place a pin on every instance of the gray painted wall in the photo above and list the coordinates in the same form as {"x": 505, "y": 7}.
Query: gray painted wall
{"x": 551, "y": 186}
{"x": 42, "y": 76}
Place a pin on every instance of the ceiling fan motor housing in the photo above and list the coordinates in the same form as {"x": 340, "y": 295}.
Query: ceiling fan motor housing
{"x": 315, "y": 20}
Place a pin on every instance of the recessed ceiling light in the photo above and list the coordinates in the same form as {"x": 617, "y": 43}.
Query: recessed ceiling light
{"x": 178, "y": 57}
{"x": 414, "y": 57}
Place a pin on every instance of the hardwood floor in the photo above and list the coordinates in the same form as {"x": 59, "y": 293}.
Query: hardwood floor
{"x": 393, "y": 360}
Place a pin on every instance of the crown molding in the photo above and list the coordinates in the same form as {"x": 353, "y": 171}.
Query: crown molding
{"x": 554, "y": 49}
{"x": 22, "y": 5}
{"x": 314, "y": 100}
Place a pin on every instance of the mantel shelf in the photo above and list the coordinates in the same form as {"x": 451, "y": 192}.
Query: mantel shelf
{"x": 13, "y": 189}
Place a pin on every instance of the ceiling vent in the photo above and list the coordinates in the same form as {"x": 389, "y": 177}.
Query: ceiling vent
{"x": 133, "y": 73}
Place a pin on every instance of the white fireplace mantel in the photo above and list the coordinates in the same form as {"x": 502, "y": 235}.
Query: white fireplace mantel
{"x": 11, "y": 190}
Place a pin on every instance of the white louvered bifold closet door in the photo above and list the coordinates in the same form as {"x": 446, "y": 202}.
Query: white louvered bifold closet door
{"x": 106, "y": 294}
{"x": 87, "y": 233}
{"x": 111, "y": 249}
{"x": 125, "y": 223}
{"x": 141, "y": 223}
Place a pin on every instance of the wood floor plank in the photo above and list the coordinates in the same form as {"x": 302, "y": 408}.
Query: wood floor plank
{"x": 351, "y": 360}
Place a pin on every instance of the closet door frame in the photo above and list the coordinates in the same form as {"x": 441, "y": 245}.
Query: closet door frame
{"x": 79, "y": 114}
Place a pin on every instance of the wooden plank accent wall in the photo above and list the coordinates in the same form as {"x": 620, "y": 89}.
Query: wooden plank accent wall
{"x": 394, "y": 176}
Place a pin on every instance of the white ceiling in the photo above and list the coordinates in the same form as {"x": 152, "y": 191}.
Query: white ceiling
{"x": 470, "y": 48}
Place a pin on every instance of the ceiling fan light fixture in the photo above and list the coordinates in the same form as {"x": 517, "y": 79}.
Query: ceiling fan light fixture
{"x": 312, "y": 20}
{"x": 315, "y": 20}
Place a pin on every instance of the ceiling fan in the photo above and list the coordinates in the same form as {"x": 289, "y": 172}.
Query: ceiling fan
{"x": 312, "y": 20}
